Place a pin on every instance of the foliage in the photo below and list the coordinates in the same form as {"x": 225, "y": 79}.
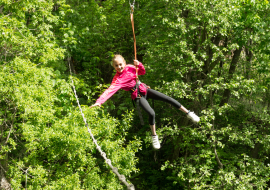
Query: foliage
{"x": 212, "y": 56}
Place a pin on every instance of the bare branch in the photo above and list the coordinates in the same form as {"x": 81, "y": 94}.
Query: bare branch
{"x": 8, "y": 14}
{"x": 1, "y": 9}
{"x": 2, "y": 168}
{"x": 21, "y": 33}
{"x": 3, "y": 123}
{"x": 217, "y": 158}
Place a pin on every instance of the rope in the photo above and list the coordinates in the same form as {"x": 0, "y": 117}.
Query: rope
{"x": 132, "y": 24}
{"x": 132, "y": 6}
{"x": 134, "y": 38}
{"x": 103, "y": 154}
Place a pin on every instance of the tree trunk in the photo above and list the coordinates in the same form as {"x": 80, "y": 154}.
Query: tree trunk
{"x": 249, "y": 56}
{"x": 254, "y": 153}
{"x": 227, "y": 92}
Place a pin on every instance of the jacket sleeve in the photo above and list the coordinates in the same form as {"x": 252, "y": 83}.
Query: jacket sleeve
{"x": 115, "y": 86}
{"x": 141, "y": 70}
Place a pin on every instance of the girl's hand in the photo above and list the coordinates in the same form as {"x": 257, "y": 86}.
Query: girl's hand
{"x": 136, "y": 62}
{"x": 96, "y": 104}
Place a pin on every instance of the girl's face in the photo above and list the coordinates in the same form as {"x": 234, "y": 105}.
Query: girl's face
{"x": 119, "y": 64}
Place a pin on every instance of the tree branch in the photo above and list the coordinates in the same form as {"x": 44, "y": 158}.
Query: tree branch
{"x": 208, "y": 67}
{"x": 21, "y": 33}
{"x": 11, "y": 125}
{"x": 1, "y": 9}
{"x": 2, "y": 128}
{"x": 217, "y": 158}
{"x": 2, "y": 168}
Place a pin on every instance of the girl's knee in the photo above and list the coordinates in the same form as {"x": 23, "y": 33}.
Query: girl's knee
{"x": 152, "y": 113}
{"x": 152, "y": 117}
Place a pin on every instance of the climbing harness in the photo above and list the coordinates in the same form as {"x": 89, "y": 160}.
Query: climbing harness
{"x": 137, "y": 100}
{"x": 103, "y": 154}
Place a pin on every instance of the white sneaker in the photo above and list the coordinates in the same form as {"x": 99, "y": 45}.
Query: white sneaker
{"x": 155, "y": 142}
{"x": 193, "y": 117}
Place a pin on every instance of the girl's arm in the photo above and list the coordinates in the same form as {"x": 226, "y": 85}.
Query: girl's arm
{"x": 108, "y": 93}
{"x": 141, "y": 70}
{"x": 96, "y": 104}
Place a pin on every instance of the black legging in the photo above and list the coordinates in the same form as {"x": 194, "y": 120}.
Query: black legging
{"x": 155, "y": 95}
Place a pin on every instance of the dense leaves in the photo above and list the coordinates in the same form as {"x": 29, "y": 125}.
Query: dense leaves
{"x": 212, "y": 56}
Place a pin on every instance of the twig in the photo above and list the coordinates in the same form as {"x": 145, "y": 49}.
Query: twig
{"x": 1, "y": 8}
{"x": 3, "y": 123}
{"x": 3, "y": 168}
{"x": 26, "y": 179}
{"x": 215, "y": 150}
{"x": 217, "y": 158}
{"x": 21, "y": 33}
{"x": 25, "y": 171}
{"x": 38, "y": 64}
{"x": 8, "y": 14}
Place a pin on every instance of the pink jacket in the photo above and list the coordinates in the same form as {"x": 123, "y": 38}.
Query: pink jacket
{"x": 126, "y": 81}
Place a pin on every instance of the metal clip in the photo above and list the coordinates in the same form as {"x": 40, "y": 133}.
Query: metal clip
{"x": 132, "y": 6}
{"x": 131, "y": 9}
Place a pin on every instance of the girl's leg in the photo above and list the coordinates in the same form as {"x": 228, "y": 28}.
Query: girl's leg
{"x": 153, "y": 94}
{"x": 183, "y": 109}
{"x": 153, "y": 129}
{"x": 145, "y": 105}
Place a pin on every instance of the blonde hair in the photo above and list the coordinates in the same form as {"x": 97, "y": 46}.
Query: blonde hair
{"x": 116, "y": 56}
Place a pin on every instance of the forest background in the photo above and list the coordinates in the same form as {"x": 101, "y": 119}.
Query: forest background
{"x": 212, "y": 56}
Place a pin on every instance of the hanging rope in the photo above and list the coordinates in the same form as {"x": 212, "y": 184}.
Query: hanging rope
{"x": 134, "y": 38}
{"x": 132, "y": 24}
{"x": 103, "y": 154}
{"x": 135, "y": 54}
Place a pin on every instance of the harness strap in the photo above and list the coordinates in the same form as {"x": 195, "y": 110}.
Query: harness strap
{"x": 137, "y": 100}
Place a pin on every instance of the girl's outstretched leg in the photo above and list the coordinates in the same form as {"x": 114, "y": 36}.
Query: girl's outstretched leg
{"x": 153, "y": 94}
{"x": 183, "y": 109}
{"x": 155, "y": 140}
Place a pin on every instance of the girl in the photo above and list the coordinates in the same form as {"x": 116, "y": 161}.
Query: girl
{"x": 125, "y": 78}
